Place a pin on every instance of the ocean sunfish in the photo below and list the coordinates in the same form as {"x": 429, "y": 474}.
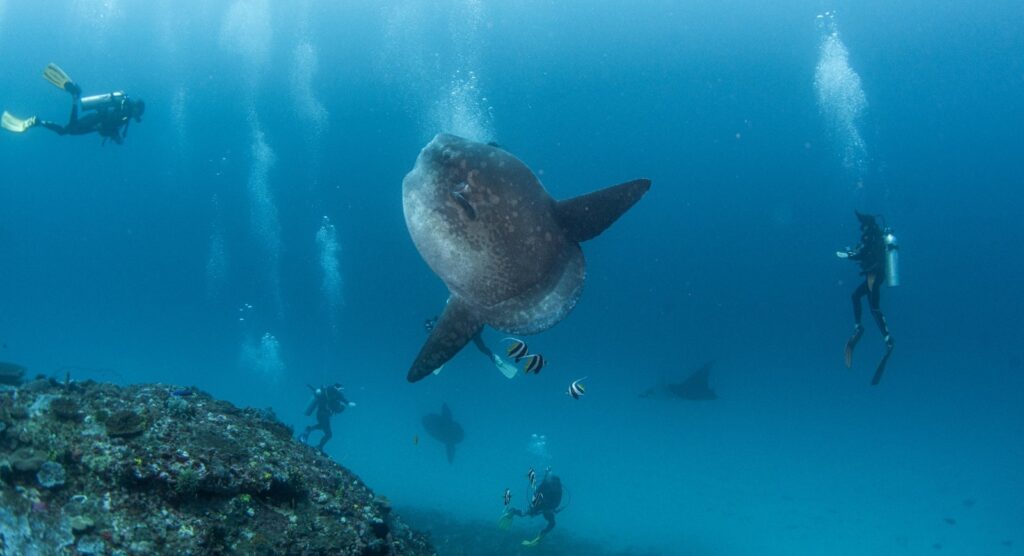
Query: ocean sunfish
{"x": 507, "y": 251}
{"x": 445, "y": 429}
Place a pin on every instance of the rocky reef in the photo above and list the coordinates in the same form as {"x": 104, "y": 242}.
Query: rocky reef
{"x": 91, "y": 468}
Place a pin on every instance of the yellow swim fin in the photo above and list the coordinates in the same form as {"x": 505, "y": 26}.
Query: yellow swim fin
{"x": 16, "y": 125}
{"x": 505, "y": 521}
{"x": 55, "y": 75}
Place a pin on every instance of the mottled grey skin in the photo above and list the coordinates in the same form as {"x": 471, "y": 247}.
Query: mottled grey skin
{"x": 507, "y": 251}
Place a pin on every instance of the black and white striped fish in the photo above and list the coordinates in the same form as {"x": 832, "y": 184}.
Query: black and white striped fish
{"x": 534, "y": 363}
{"x": 538, "y": 497}
{"x": 517, "y": 349}
{"x": 576, "y": 389}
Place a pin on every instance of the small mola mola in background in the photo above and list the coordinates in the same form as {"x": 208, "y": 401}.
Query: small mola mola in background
{"x": 507, "y": 251}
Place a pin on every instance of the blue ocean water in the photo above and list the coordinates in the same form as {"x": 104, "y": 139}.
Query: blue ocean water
{"x": 248, "y": 238}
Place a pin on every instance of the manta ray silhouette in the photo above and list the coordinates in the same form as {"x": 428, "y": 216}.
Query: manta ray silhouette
{"x": 445, "y": 429}
{"x": 695, "y": 387}
{"x": 507, "y": 251}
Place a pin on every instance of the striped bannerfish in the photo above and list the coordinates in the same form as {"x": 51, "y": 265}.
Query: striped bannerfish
{"x": 534, "y": 363}
{"x": 517, "y": 349}
{"x": 576, "y": 389}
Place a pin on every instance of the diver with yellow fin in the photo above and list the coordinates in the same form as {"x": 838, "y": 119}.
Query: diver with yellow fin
{"x": 107, "y": 114}
{"x": 877, "y": 255}
{"x": 545, "y": 501}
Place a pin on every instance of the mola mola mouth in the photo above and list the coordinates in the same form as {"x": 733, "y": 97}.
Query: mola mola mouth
{"x": 507, "y": 251}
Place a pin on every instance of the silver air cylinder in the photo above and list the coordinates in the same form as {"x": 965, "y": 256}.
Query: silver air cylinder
{"x": 892, "y": 259}
{"x": 106, "y": 100}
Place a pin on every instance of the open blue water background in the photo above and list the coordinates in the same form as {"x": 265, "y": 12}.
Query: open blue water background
{"x": 762, "y": 127}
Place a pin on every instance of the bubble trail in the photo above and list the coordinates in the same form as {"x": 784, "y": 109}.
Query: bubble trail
{"x": 841, "y": 98}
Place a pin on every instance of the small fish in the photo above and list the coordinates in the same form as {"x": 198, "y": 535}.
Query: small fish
{"x": 508, "y": 497}
{"x": 576, "y": 389}
{"x": 182, "y": 392}
{"x": 532, "y": 476}
{"x": 537, "y": 499}
{"x": 517, "y": 349}
{"x": 534, "y": 363}
{"x": 416, "y": 439}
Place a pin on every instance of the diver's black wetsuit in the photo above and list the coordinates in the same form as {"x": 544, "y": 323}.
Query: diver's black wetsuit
{"x": 327, "y": 401}
{"x": 110, "y": 122}
{"x": 870, "y": 254}
{"x": 547, "y": 498}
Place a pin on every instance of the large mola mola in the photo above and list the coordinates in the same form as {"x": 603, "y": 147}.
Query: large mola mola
{"x": 507, "y": 251}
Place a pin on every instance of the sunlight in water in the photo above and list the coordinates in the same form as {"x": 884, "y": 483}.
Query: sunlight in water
{"x": 247, "y": 32}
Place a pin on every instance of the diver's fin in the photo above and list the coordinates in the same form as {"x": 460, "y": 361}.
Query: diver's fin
{"x": 504, "y": 367}
{"x": 586, "y": 216}
{"x": 455, "y": 327}
{"x": 881, "y": 364}
{"x": 851, "y": 343}
{"x": 534, "y": 542}
{"x": 16, "y": 125}
{"x": 55, "y": 75}
{"x": 505, "y": 521}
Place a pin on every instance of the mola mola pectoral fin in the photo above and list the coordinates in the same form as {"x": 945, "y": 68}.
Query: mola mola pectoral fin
{"x": 454, "y": 329}
{"x": 586, "y": 216}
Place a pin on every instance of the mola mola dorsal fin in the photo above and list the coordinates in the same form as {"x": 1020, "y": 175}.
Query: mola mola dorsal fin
{"x": 454, "y": 329}
{"x": 586, "y": 216}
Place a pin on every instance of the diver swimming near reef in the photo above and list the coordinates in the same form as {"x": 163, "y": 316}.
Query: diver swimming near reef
{"x": 327, "y": 401}
{"x": 547, "y": 496}
{"x": 877, "y": 255}
{"x": 107, "y": 114}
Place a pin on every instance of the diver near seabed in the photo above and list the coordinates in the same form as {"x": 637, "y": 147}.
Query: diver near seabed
{"x": 878, "y": 256}
{"x": 327, "y": 401}
{"x": 106, "y": 114}
{"x": 545, "y": 501}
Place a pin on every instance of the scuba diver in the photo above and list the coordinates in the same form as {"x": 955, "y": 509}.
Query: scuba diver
{"x": 876, "y": 255}
{"x": 504, "y": 367}
{"x": 107, "y": 114}
{"x": 545, "y": 501}
{"x": 327, "y": 401}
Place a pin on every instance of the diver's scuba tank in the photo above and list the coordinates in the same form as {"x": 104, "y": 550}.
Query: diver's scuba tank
{"x": 115, "y": 99}
{"x": 892, "y": 258}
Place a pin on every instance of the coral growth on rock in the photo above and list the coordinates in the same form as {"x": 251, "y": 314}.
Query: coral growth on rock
{"x": 90, "y": 468}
